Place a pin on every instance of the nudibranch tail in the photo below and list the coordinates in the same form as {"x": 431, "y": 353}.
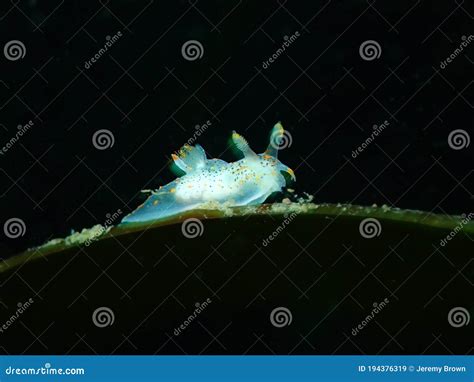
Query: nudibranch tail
{"x": 160, "y": 204}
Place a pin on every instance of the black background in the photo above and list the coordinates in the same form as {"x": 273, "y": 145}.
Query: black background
{"x": 143, "y": 91}
{"x": 151, "y": 98}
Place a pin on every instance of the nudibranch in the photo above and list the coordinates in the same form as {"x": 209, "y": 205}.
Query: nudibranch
{"x": 248, "y": 181}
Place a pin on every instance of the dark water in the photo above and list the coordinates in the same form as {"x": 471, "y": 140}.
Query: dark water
{"x": 150, "y": 99}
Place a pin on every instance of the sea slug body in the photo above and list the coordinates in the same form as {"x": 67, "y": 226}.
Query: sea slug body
{"x": 248, "y": 181}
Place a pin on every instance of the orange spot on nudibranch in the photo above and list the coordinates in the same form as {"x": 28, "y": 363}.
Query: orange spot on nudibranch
{"x": 155, "y": 202}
